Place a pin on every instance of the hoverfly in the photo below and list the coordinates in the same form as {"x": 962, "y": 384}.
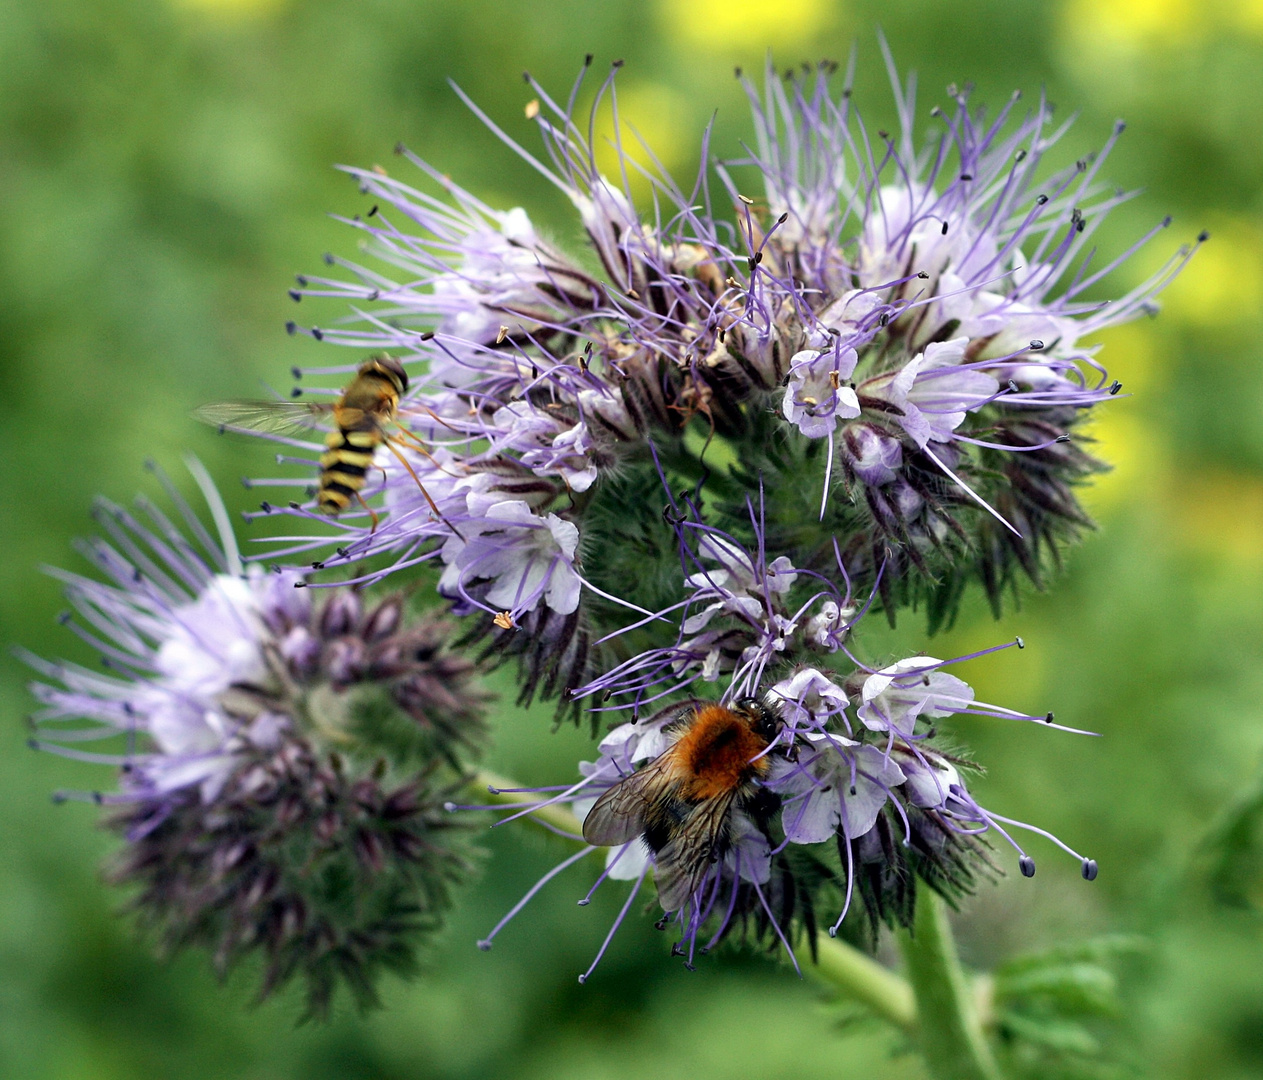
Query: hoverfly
{"x": 682, "y": 801}
{"x": 362, "y": 418}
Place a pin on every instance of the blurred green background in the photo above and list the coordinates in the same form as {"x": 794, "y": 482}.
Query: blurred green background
{"x": 165, "y": 167}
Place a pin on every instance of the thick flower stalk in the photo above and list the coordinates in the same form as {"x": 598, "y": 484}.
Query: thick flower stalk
{"x": 251, "y": 729}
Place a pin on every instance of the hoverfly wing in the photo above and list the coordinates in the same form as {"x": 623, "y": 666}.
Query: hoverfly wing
{"x": 683, "y": 863}
{"x": 273, "y": 417}
{"x": 618, "y": 816}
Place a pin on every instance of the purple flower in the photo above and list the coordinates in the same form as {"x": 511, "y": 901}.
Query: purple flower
{"x": 897, "y": 696}
{"x": 249, "y": 776}
{"x": 836, "y": 786}
{"x": 527, "y": 559}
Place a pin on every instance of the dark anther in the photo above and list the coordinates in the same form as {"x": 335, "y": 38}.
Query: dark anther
{"x": 295, "y": 295}
{"x": 1020, "y": 156}
{"x": 584, "y": 902}
{"x": 945, "y": 228}
{"x": 301, "y": 280}
{"x": 617, "y": 64}
{"x": 300, "y": 584}
{"x": 884, "y": 319}
{"x": 661, "y": 924}
{"x": 526, "y": 76}
{"x": 266, "y": 507}
{"x": 883, "y": 134}
{"x": 317, "y": 334}
{"x": 721, "y": 335}
{"x": 427, "y": 336}
{"x": 1089, "y": 869}
{"x": 297, "y": 372}
{"x": 1036, "y": 345}
{"x": 783, "y": 218}
{"x": 853, "y": 789}
{"x": 344, "y": 552}
{"x": 296, "y": 392}
{"x": 372, "y": 212}
{"x": 1203, "y": 236}
{"x": 1027, "y": 865}
{"x": 1013, "y": 388}
{"x": 737, "y": 71}
{"x": 1020, "y": 643}
{"x": 63, "y": 618}
{"x": 317, "y": 566}
{"x": 1049, "y": 718}
{"x": 923, "y": 275}
{"x": 291, "y": 327}
{"x": 1040, "y": 200}
{"x": 587, "y": 60}
{"x": 1063, "y": 437}
{"x": 1166, "y": 221}
{"x": 936, "y": 112}
{"x": 329, "y": 259}
{"x": 966, "y": 176}
{"x": 293, "y": 505}
{"x": 32, "y": 744}
{"x": 1115, "y": 387}
{"x": 399, "y": 148}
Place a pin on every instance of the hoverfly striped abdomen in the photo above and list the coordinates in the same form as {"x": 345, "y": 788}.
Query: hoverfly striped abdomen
{"x": 369, "y": 402}
{"x": 344, "y": 466}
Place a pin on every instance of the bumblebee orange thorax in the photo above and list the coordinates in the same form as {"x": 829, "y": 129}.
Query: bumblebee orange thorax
{"x": 718, "y": 753}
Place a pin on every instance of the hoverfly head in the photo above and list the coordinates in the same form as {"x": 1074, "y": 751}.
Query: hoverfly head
{"x": 387, "y": 366}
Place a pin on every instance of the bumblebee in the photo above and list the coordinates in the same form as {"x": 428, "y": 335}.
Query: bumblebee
{"x": 682, "y": 801}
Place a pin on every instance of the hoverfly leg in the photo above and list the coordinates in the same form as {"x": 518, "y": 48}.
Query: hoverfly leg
{"x": 370, "y": 510}
{"x": 421, "y": 487}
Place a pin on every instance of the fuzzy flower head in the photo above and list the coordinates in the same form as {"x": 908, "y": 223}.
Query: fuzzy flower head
{"x": 892, "y": 331}
{"x": 848, "y": 793}
{"x": 246, "y": 720}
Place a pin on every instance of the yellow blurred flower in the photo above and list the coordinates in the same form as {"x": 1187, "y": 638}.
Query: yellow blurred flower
{"x": 1128, "y": 25}
{"x": 652, "y": 112}
{"x": 1224, "y": 281}
{"x": 229, "y": 9}
{"x": 1219, "y": 512}
{"x": 737, "y": 26}
{"x": 1137, "y": 453}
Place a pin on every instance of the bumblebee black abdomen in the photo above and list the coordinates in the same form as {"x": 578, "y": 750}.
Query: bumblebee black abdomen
{"x": 344, "y": 466}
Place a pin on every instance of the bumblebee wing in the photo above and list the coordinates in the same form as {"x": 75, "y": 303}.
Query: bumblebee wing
{"x": 275, "y": 417}
{"x": 619, "y": 815}
{"x": 682, "y": 864}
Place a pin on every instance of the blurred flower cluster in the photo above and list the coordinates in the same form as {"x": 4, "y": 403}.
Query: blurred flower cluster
{"x": 847, "y": 373}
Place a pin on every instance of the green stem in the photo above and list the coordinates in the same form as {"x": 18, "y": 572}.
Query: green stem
{"x": 937, "y": 1007}
{"x": 950, "y": 1030}
{"x": 858, "y": 976}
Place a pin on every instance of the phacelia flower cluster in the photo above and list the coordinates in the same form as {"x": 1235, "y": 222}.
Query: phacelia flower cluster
{"x": 250, "y": 727}
{"x": 848, "y": 789}
{"x": 893, "y": 333}
{"x": 846, "y": 372}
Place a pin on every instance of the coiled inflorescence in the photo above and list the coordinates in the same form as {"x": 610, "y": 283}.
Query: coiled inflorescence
{"x": 283, "y": 764}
